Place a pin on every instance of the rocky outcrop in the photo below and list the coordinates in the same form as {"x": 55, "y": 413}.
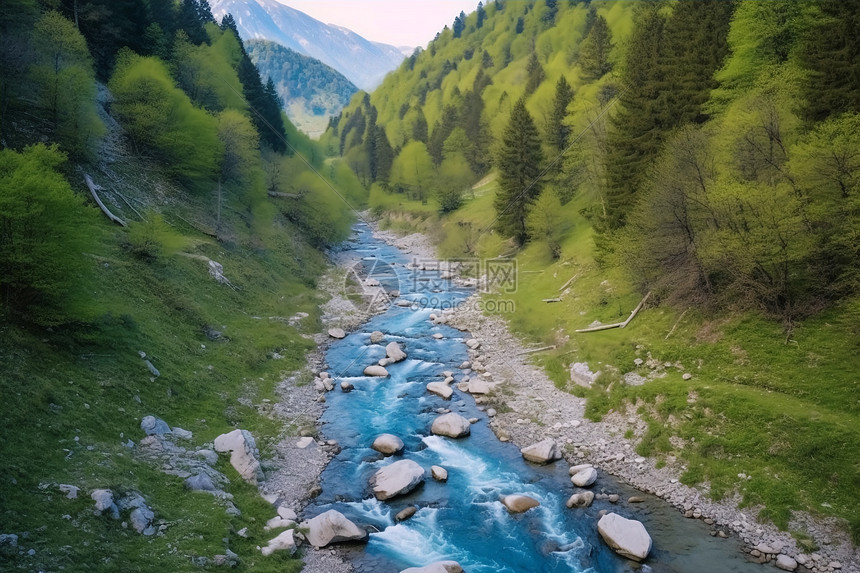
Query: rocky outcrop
{"x": 626, "y": 536}
{"x": 451, "y": 425}
{"x": 396, "y": 479}
{"x": 105, "y": 502}
{"x": 387, "y": 444}
{"x": 542, "y": 452}
{"x": 332, "y": 527}
{"x": 517, "y": 503}
{"x": 376, "y": 370}
{"x": 581, "y": 374}
{"x": 153, "y": 426}
{"x": 244, "y": 455}
{"x": 437, "y": 567}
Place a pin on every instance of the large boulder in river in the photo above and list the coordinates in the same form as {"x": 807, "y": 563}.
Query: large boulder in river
{"x": 440, "y": 389}
{"x": 387, "y": 444}
{"x": 396, "y": 479}
{"x": 376, "y": 337}
{"x": 626, "y": 536}
{"x": 332, "y": 527}
{"x": 376, "y": 370}
{"x": 584, "y": 477}
{"x": 582, "y": 499}
{"x": 517, "y": 503}
{"x": 437, "y": 567}
{"x": 394, "y": 352}
{"x": 243, "y": 453}
{"x": 542, "y": 452}
{"x": 451, "y": 425}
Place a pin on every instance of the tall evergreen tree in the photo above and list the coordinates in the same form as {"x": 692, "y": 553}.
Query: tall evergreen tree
{"x": 535, "y": 74}
{"x": 459, "y": 24}
{"x": 558, "y": 134}
{"x": 519, "y": 161}
{"x": 419, "y": 126}
{"x": 189, "y": 20}
{"x": 595, "y": 50}
{"x": 482, "y": 15}
{"x": 831, "y": 54}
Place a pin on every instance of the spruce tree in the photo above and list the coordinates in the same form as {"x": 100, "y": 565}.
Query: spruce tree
{"x": 558, "y": 134}
{"x": 519, "y": 160}
{"x": 595, "y": 50}
{"x": 482, "y": 15}
{"x": 419, "y": 126}
{"x": 535, "y": 74}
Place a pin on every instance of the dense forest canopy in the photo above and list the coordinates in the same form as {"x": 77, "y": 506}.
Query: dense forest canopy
{"x": 716, "y": 141}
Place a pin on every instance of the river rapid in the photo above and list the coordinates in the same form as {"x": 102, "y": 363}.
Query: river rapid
{"x": 462, "y": 519}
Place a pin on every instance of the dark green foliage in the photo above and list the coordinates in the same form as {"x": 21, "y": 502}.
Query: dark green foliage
{"x": 44, "y": 231}
{"x": 486, "y": 60}
{"x": 535, "y": 74}
{"x": 459, "y": 25}
{"x": 384, "y": 155}
{"x": 192, "y": 16}
{"x": 419, "y": 126}
{"x": 830, "y": 53}
{"x": 550, "y": 12}
{"x": 481, "y": 15}
{"x": 558, "y": 133}
{"x": 519, "y": 162}
{"x": 521, "y": 24}
{"x": 264, "y": 104}
{"x": 595, "y": 50}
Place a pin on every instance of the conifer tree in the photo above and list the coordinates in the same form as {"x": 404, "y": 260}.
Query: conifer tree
{"x": 482, "y": 15}
{"x": 549, "y": 14}
{"x": 459, "y": 25}
{"x": 558, "y": 134}
{"x": 519, "y": 162}
{"x": 535, "y": 74}
{"x": 419, "y": 126}
{"x": 595, "y": 50}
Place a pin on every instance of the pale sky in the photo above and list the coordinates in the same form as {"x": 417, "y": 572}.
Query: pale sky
{"x": 396, "y": 22}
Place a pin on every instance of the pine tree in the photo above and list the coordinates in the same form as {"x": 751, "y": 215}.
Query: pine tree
{"x": 459, "y": 25}
{"x": 482, "y": 15}
{"x": 521, "y": 24}
{"x": 519, "y": 161}
{"x": 535, "y": 74}
{"x": 558, "y": 134}
{"x": 486, "y": 60}
{"x": 831, "y": 54}
{"x": 595, "y": 50}
{"x": 190, "y": 21}
{"x": 419, "y": 126}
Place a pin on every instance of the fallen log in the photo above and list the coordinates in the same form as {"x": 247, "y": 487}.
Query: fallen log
{"x": 533, "y": 350}
{"x": 618, "y": 324}
{"x": 551, "y": 300}
{"x": 570, "y": 280}
{"x": 105, "y": 210}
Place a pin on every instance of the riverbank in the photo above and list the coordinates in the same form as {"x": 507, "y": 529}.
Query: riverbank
{"x": 530, "y": 408}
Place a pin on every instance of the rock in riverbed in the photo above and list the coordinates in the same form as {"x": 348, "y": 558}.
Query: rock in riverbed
{"x": 451, "y": 425}
{"x": 387, "y": 444}
{"x": 336, "y": 333}
{"x": 394, "y": 352}
{"x": 440, "y": 389}
{"x": 626, "y": 536}
{"x": 438, "y": 567}
{"x": 396, "y": 479}
{"x": 376, "y": 370}
{"x": 584, "y": 477}
{"x": 517, "y": 503}
{"x": 332, "y": 527}
{"x": 542, "y": 452}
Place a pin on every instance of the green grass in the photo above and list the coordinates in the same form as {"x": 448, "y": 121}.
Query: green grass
{"x": 84, "y": 385}
{"x": 780, "y": 407}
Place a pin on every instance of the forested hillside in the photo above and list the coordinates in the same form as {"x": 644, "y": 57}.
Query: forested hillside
{"x": 311, "y": 91}
{"x": 188, "y": 301}
{"x": 705, "y": 152}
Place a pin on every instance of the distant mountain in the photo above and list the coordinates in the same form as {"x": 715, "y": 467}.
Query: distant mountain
{"x": 311, "y": 90}
{"x": 363, "y": 62}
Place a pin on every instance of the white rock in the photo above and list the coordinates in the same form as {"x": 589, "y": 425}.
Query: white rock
{"x": 243, "y": 453}
{"x": 153, "y": 426}
{"x": 387, "y": 444}
{"x": 438, "y": 336}
{"x": 581, "y": 374}
{"x": 105, "y": 502}
{"x": 627, "y": 537}
{"x": 582, "y": 499}
{"x": 305, "y": 442}
{"x": 491, "y": 412}
{"x": 376, "y": 337}
{"x": 440, "y": 389}
{"x": 182, "y": 434}
{"x": 542, "y": 452}
{"x": 785, "y": 562}
{"x": 71, "y": 491}
{"x": 375, "y": 370}
{"x": 473, "y": 343}
{"x": 437, "y": 567}
{"x": 394, "y": 352}
{"x": 336, "y": 333}
{"x": 396, "y": 479}
{"x": 479, "y": 386}
{"x": 584, "y": 478}
{"x": 287, "y": 513}
{"x": 279, "y": 522}
{"x": 439, "y": 473}
{"x": 284, "y": 541}
{"x": 332, "y": 527}
{"x": 578, "y": 468}
{"x": 346, "y": 387}
{"x": 687, "y": 376}
{"x": 451, "y": 425}
{"x": 517, "y": 503}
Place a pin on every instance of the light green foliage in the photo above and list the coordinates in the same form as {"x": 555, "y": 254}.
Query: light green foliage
{"x": 207, "y": 73}
{"x": 64, "y": 80}
{"x": 44, "y": 231}
{"x": 153, "y": 238}
{"x": 413, "y": 172}
{"x": 455, "y": 177}
{"x": 241, "y": 147}
{"x": 596, "y": 50}
{"x": 545, "y": 222}
{"x": 159, "y": 117}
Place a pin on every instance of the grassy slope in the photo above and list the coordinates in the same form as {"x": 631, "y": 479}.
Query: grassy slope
{"x": 70, "y": 389}
{"x": 781, "y": 410}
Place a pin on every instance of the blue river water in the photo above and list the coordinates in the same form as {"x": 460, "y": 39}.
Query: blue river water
{"x": 462, "y": 519}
